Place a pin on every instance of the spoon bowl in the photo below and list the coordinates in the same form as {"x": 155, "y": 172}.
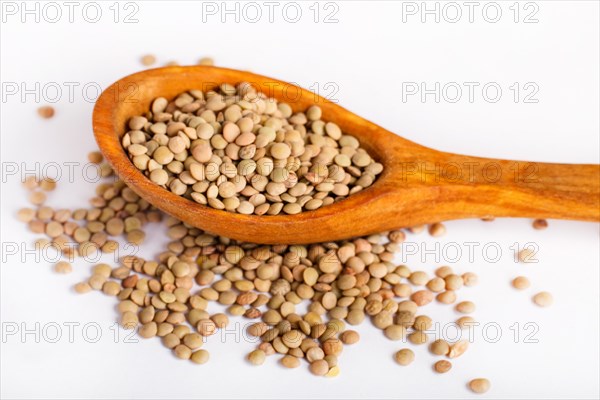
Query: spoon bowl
{"x": 418, "y": 185}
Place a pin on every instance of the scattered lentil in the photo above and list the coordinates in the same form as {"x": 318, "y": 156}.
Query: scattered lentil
{"x": 148, "y": 60}
{"x": 479, "y": 385}
{"x": 37, "y": 198}
{"x": 257, "y": 357}
{"x": 465, "y": 307}
{"x": 470, "y": 279}
{"x": 465, "y": 322}
{"x": 521, "y": 283}
{"x": 47, "y": 184}
{"x": 458, "y": 349}
{"x": 63, "y": 267}
{"x": 404, "y": 356}
{"x": 26, "y": 214}
{"x": 442, "y": 366}
{"x": 82, "y": 287}
{"x": 290, "y": 361}
{"x": 543, "y": 299}
{"x": 527, "y": 256}
{"x": 200, "y": 356}
{"x": 206, "y": 61}
{"x": 319, "y": 367}
{"x": 95, "y": 157}
{"x": 436, "y": 230}
{"x": 350, "y": 337}
{"x": 439, "y": 347}
{"x": 46, "y": 112}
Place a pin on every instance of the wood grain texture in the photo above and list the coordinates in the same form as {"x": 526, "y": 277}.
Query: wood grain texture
{"x": 418, "y": 185}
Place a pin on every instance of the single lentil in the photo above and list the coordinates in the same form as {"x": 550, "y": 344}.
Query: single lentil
{"x": 148, "y": 59}
{"x": 540, "y": 224}
{"x": 521, "y": 283}
{"x": 439, "y": 347}
{"x": 543, "y": 299}
{"x": 46, "y": 112}
{"x": 257, "y": 357}
{"x": 479, "y": 385}
{"x": 442, "y": 366}
{"x": 404, "y": 356}
{"x": 63, "y": 267}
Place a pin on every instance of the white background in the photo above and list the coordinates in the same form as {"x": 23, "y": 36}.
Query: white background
{"x": 370, "y": 54}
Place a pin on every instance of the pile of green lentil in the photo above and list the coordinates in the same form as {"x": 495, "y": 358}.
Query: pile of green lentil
{"x": 237, "y": 150}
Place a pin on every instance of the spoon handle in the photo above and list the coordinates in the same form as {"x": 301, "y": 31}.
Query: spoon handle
{"x": 471, "y": 186}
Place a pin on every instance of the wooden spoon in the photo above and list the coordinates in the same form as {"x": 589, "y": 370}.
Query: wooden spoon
{"x": 418, "y": 186}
